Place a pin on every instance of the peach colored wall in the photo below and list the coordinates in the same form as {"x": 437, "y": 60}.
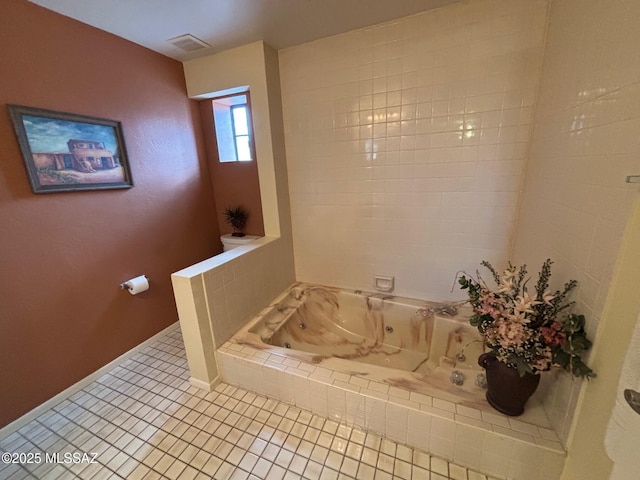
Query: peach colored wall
{"x": 234, "y": 183}
{"x": 64, "y": 254}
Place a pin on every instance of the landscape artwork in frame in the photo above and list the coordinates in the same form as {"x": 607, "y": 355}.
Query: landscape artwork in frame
{"x": 65, "y": 152}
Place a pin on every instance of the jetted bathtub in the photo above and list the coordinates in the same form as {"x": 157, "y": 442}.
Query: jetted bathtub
{"x": 401, "y": 368}
{"x": 431, "y": 341}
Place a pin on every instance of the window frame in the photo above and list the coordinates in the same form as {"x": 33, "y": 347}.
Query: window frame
{"x": 249, "y": 133}
{"x": 247, "y": 104}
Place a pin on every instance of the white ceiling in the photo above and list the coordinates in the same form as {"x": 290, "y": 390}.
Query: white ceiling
{"x": 225, "y": 24}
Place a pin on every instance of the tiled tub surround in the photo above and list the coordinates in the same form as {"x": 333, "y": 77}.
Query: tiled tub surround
{"x": 423, "y": 411}
{"x": 575, "y": 203}
{"x": 406, "y": 143}
{"x": 215, "y": 298}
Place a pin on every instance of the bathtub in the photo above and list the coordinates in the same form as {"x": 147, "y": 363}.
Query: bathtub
{"x": 403, "y": 368}
{"x": 424, "y": 338}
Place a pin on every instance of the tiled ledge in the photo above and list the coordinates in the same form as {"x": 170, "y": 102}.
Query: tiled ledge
{"x": 470, "y": 434}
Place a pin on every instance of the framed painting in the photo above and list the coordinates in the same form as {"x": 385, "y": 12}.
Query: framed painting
{"x": 64, "y": 152}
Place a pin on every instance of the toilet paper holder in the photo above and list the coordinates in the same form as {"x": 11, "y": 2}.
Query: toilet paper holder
{"x": 125, "y": 286}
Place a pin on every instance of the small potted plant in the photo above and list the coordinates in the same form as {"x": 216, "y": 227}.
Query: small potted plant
{"x": 237, "y": 218}
{"x": 526, "y": 333}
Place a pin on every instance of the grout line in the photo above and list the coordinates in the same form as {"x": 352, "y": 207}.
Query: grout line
{"x": 60, "y": 397}
{"x": 171, "y": 411}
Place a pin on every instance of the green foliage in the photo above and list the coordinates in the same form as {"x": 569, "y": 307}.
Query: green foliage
{"x": 569, "y": 357}
{"x": 236, "y": 217}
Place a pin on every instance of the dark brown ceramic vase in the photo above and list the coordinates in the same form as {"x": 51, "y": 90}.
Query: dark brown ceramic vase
{"x": 507, "y": 391}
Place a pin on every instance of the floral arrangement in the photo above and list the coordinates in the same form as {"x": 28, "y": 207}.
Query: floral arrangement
{"x": 529, "y": 332}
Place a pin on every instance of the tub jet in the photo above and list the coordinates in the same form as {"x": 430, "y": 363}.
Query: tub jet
{"x": 457, "y": 377}
{"x": 481, "y": 380}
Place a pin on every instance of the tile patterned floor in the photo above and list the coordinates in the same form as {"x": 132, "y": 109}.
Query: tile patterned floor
{"x": 143, "y": 420}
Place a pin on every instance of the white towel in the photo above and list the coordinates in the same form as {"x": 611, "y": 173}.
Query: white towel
{"x": 622, "y": 441}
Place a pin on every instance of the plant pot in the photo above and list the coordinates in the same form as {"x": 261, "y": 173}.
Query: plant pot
{"x": 507, "y": 391}
{"x": 237, "y": 233}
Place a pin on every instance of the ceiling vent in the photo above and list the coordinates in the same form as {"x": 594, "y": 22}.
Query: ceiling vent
{"x": 188, "y": 43}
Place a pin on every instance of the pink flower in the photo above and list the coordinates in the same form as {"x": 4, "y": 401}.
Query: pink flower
{"x": 490, "y": 305}
{"x": 553, "y": 335}
{"x": 510, "y": 333}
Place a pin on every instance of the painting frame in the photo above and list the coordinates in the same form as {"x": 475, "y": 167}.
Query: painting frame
{"x": 98, "y": 163}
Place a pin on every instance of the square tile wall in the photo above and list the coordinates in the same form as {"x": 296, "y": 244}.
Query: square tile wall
{"x": 406, "y": 144}
{"x": 217, "y": 296}
{"x": 490, "y": 443}
{"x": 239, "y": 289}
{"x": 575, "y": 202}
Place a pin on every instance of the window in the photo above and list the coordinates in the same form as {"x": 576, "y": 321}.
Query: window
{"x": 239, "y": 115}
{"x": 232, "y": 118}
